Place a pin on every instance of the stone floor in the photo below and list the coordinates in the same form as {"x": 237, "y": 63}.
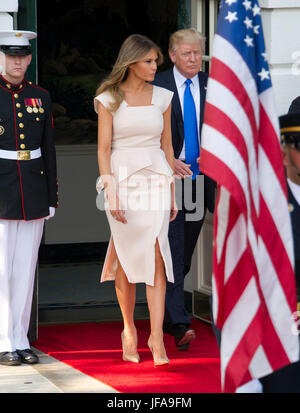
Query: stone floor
{"x": 48, "y": 376}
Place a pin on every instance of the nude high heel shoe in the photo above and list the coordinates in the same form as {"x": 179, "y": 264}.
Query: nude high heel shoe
{"x": 158, "y": 361}
{"x": 133, "y": 358}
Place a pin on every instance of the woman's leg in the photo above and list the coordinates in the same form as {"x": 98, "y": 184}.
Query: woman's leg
{"x": 156, "y": 304}
{"x": 126, "y": 293}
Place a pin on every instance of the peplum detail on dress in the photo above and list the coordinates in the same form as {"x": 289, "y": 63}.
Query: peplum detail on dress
{"x": 125, "y": 163}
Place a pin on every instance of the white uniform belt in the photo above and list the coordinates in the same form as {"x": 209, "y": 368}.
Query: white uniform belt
{"x": 21, "y": 155}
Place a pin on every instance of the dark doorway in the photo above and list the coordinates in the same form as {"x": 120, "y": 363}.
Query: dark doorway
{"x": 77, "y": 45}
{"x": 78, "y": 41}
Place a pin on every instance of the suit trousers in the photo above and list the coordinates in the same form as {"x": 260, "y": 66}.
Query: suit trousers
{"x": 183, "y": 237}
{"x": 19, "y": 246}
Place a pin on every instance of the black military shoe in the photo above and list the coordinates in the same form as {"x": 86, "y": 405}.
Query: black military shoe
{"x": 8, "y": 358}
{"x": 28, "y": 356}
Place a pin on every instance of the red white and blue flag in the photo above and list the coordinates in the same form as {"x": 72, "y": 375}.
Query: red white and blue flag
{"x": 254, "y": 293}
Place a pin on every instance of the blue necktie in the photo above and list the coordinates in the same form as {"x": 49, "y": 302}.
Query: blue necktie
{"x": 190, "y": 130}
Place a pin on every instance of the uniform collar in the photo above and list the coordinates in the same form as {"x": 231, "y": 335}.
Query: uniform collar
{"x": 11, "y": 87}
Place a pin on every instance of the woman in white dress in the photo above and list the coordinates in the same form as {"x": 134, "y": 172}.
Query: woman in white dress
{"x": 135, "y": 157}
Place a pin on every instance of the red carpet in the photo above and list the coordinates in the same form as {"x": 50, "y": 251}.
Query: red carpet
{"x": 95, "y": 349}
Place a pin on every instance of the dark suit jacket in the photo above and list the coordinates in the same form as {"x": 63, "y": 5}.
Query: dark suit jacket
{"x": 166, "y": 79}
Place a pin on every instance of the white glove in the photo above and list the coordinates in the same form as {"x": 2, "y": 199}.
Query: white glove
{"x": 99, "y": 185}
{"x": 51, "y": 213}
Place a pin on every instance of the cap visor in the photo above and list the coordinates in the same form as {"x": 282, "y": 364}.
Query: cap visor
{"x": 16, "y": 50}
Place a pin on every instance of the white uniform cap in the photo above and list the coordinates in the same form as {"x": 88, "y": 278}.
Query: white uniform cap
{"x": 16, "y": 42}
{"x": 16, "y": 37}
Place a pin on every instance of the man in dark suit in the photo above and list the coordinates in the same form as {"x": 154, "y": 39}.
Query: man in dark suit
{"x": 189, "y": 86}
{"x": 28, "y": 191}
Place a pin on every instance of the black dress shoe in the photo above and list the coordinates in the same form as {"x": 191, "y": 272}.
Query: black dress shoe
{"x": 183, "y": 347}
{"x": 28, "y": 356}
{"x": 183, "y": 335}
{"x": 9, "y": 358}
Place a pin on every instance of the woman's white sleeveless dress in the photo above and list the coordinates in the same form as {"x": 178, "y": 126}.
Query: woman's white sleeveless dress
{"x": 143, "y": 178}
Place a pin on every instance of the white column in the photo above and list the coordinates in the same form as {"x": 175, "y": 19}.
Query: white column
{"x": 282, "y": 33}
{"x": 6, "y": 7}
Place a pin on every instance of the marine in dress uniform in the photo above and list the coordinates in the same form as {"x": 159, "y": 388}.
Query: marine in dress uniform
{"x": 28, "y": 191}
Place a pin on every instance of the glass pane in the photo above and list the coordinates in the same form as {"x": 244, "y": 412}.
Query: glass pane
{"x": 26, "y": 20}
{"x": 78, "y": 41}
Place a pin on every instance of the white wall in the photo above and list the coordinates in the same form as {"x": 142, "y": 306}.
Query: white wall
{"x": 77, "y": 218}
{"x": 281, "y": 20}
{"x": 6, "y": 20}
{"x": 9, "y": 5}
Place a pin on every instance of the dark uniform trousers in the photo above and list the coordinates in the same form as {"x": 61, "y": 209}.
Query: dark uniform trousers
{"x": 28, "y": 188}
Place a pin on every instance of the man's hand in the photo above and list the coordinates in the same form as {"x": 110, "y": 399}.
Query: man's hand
{"x": 181, "y": 169}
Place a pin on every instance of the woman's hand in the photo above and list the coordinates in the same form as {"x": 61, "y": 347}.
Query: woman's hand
{"x": 173, "y": 211}
{"x": 115, "y": 208}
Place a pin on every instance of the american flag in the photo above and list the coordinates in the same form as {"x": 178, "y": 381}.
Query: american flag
{"x": 254, "y": 293}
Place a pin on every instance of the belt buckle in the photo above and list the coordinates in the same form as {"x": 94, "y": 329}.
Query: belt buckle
{"x": 23, "y": 155}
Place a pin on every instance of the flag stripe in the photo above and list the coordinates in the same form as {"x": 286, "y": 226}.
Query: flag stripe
{"x": 222, "y": 215}
{"x": 280, "y": 260}
{"x": 236, "y": 284}
{"x": 236, "y": 246}
{"x": 225, "y": 52}
{"x": 237, "y": 323}
{"x": 238, "y": 368}
{"x": 275, "y": 298}
{"x": 222, "y": 73}
{"x": 223, "y": 123}
{"x": 270, "y": 144}
{"x": 259, "y": 359}
{"x": 274, "y": 200}
{"x": 218, "y": 120}
{"x": 253, "y": 279}
{"x": 231, "y": 107}
{"x": 217, "y": 143}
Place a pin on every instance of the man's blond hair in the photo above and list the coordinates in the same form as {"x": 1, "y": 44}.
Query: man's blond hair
{"x": 186, "y": 35}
